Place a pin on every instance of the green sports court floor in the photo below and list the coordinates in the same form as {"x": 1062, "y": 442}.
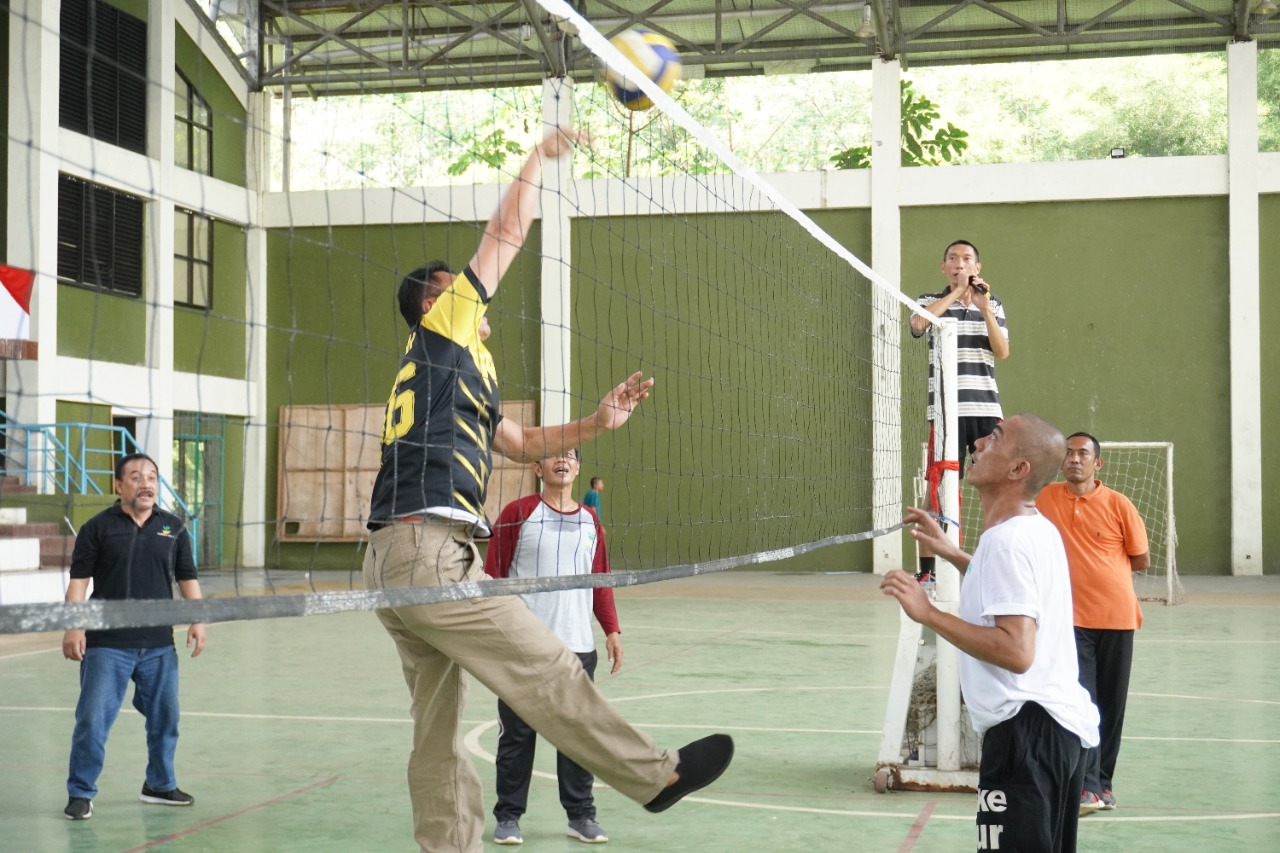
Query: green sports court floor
{"x": 295, "y": 732}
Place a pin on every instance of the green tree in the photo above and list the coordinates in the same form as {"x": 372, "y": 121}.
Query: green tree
{"x": 918, "y": 148}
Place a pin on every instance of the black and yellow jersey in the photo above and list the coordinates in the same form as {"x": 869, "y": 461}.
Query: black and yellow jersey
{"x": 437, "y": 435}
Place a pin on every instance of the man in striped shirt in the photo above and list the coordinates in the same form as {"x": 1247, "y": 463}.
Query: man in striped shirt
{"x": 983, "y": 337}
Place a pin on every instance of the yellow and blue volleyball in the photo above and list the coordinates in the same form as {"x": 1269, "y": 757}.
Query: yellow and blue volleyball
{"x": 654, "y": 55}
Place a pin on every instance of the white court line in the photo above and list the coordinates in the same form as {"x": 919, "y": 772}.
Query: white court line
{"x": 635, "y": 626}
{"x": 1205, "y": 698}
{"x": 472, "y": 741}
{"x": 6, "y": 657}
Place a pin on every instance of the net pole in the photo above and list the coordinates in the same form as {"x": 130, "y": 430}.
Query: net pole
{"x": 1171, "y": 530}
{"x": 556, "y": 296}
{"x": 948, "y": 577}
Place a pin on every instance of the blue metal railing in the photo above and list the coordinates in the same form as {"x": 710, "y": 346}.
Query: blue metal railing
{"x": 67, "y": 458}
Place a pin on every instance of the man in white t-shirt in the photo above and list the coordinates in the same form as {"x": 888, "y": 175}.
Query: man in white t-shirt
{"x": 1018, "y": 669}
{"x": 550, "y": 535}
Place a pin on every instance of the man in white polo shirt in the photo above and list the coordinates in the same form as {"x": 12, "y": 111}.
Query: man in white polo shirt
{"x": 1018, "y": 669}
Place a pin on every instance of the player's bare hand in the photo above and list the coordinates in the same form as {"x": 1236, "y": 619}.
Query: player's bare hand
{"x": 910, "y": 594}
{"x": 979, "y": 290}
{"x": 73, "y": 645}
{"x": 926, "y": 529}
{"x": 621, "y": 401}
{"x": 560, "y": 141}
{"x": 195, "y": 634}
{"x": 613, "y": 647}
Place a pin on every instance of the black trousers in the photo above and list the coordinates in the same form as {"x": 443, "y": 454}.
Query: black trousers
{"x": 516, "y": 743}
{"x": 1029, "y": 785}
{"x": 1105, "y": 657}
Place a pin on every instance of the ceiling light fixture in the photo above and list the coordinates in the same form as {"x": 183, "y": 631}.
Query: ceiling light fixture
{"x": 868, "y": 29}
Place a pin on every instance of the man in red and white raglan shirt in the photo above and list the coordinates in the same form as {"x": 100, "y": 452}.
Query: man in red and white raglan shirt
{"x": 551, "y": 535}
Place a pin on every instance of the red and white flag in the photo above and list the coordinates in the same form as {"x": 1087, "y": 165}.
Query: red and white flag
{"x": 15, "y": 303}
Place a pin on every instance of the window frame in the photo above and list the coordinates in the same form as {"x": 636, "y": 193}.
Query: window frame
{"x": 184, "y": 291}
{"x": 195, "y": 129}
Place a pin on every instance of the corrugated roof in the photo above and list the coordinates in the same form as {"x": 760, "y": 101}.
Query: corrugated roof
{"x": 329, "y": 47}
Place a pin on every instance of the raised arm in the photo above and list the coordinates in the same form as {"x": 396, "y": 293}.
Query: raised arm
{"x": 529, "y": 444}
{"x": 504, "y": 235}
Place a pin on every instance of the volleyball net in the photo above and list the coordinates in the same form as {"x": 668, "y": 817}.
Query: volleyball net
{"x": 790, "y": 398}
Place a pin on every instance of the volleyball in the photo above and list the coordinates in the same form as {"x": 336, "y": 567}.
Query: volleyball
{"x": 654, "y": 55}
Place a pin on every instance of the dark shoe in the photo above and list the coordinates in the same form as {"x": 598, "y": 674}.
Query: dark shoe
{"x": 587, "y": 831}
{"x": 1089, "y": 803}
{"x": 701, "y": 763}
{"x": 176, "y": 797}
{"x": 79, "y": 808}
{"x": 507, "y": 832}
{"x": 1108, "y": 800}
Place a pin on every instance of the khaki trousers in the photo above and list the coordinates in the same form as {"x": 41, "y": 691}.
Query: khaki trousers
{"x": 509, "y": 650}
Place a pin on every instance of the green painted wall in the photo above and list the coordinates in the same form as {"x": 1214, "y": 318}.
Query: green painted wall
{"x": 101, "y": 326}
{"x": 1118, "y": 326}
{"x": 1098, "y": 319}
{"x": 213, "y": 342}
{"x": 229, "y": 118}
{"x": 699, "y": 423}
{"x": 233, "y": 472}
{"x": 335, "y": 334}
{"x": 723, "y": 333}
{"x": 93, "y": 447}
{"x": 1269, "y": 210}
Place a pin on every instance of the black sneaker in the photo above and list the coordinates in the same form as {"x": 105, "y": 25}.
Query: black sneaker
{"x": 176, "y": 797}
{"x": 79, "y": 808}
{"x": 700, "y": 764}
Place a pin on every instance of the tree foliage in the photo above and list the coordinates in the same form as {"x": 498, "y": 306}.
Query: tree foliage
{"x": 918, "y": 147}
{"x": 1016, "y": 113}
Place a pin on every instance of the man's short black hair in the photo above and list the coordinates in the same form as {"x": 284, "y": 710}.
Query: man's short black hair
{"x": 416, "y": 287}
{"x": 976, "y": 255}
{"x": 1097, "y": 448}
{"x": 125, "y": 460}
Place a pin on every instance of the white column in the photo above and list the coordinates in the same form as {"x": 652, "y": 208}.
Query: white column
{"x": 948, "y": 577}
{"x": 557, "y": 305}
{"x": 34, "y": 54}
{"x": 157, "y": 429}
{"x": 254, "y": 505}
{"x": 886, "y": 255}
{"x": 1244, "y": 308}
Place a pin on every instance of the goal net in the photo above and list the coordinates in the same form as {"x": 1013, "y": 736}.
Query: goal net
{"x": 1142, "y": 471}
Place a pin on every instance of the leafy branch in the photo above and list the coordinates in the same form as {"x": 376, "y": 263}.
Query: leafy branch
{"x": 918, "y": 148}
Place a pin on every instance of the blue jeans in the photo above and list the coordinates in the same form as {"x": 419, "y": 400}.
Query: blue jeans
{"x": 105, "y": 674}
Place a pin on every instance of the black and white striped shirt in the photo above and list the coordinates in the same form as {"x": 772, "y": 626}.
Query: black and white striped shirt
{"x": 977, "y": 394}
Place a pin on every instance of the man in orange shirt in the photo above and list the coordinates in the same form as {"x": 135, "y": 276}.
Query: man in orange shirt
{"x": 1106, "y": 543}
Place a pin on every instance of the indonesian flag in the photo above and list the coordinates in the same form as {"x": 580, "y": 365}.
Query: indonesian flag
{"x": 15, "y": 303}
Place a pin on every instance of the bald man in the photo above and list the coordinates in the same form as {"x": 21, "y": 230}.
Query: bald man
{"x": 1018, "y": 670}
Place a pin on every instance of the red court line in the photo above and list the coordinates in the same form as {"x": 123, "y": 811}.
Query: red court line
{"x": 918, "y": 827}
{"x": 226, "y": 817}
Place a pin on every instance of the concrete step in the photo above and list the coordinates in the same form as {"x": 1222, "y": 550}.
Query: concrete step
{"x": 13, "y": 515}
{"x": 33, "y": 587}
{"x": 10, "y": 531}
{"x": 19, "y": 554}
{"x": 55, "y": 551}
{"x": 14, "y": 486}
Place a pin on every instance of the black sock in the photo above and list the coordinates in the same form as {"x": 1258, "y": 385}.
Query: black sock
{"x": 926, "y": 566}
